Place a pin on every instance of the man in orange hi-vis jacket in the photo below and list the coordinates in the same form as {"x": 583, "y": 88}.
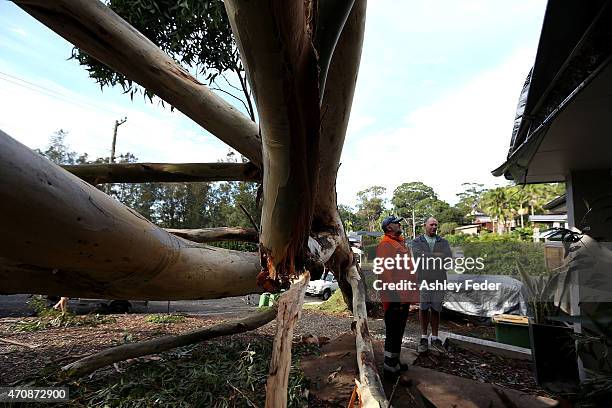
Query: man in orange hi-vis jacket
{"x": 398, "y": 289}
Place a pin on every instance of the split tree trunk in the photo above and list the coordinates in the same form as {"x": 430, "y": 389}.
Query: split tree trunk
{"x": 112, "y": 355}
{"x": 68, "y": 238}
{"x": 275, "y": 45}
{"x": 336, "y": 108}
{"x": 289, "y": 310}
{"x": 372, "y": 392}
{"x": 99, "y": 31}
{"x": 164, "y": 172}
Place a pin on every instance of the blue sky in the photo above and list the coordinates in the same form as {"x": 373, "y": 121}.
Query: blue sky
{"x": 435, "y": 99}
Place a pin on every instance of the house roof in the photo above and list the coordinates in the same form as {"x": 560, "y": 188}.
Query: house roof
{"x": 467, "y": 227}
{"x": 561, "y": 119}
{"x": 556, "y": 204}
{"x": 548, "y": 218}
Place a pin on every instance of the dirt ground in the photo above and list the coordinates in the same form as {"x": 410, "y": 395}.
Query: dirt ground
{"x": 54, "y": 347}
{"x": 60, "y": 346}
{"x": 332, "y": 375}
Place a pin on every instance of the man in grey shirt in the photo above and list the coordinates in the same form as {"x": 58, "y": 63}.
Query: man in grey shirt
{"x": 433, "y": 251}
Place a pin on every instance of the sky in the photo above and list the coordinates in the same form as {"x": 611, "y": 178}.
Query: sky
{"x": 436, "y": 95}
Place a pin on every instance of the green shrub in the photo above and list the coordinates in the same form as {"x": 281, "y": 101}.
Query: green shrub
{"x": 501, "y": 252}
{"x": 164, "y": 318}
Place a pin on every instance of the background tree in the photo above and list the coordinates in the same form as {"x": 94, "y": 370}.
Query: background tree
{"x": 423, "y": 200}
{"x": 470, "y": 197}
{"x": 371, "y": 205}
{"x": 58, "y": 152}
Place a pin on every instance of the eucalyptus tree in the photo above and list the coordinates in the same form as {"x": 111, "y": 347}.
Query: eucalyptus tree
{"x": 301, "y": 61}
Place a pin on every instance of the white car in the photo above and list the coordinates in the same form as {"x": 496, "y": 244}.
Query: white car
{"x": 323, "y": 288}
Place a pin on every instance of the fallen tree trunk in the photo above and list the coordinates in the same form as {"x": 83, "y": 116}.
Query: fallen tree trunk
{"x": 217, "y": 234}
{"x": 100, "y": 32}
{"x": 372, "y": 393}
{"x": 68, "y": 238}
{"x": 104, "y": 358}
{"x": 289, "y": 310}
{"x": 164, "y": 172}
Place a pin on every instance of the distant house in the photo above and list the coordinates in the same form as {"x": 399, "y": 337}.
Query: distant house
{"x": 479, "y": 222}
{"x": 473, "y": 229}
{"x": 556, "y": 217}
{"x": 483, "y": 221}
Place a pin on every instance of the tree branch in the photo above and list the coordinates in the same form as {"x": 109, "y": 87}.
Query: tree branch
{"x": 100, "y": 32}
{"x": 112, "y": 355}
{"x": 289, "y": 311}
{"x": 331, "y": 17}
{"x": 164, "y": 172}
{"x": 372, "y": 392}
{"x": 217, "y": 234}
{"x": 337, "y": 101}
{"x": 65, "y": 236}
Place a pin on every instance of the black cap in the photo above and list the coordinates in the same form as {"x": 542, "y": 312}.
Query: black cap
{"x": 390, "y": 220}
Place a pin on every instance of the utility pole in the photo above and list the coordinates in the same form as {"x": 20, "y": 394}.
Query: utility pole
{"x": 413, "y": 225}
{"x": 117, "y": 124}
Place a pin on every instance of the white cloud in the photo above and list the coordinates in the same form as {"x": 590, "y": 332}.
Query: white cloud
{"x": 458, "y": 138}
{"x": 31, "y": 114}
{"x": 18, "y": 31}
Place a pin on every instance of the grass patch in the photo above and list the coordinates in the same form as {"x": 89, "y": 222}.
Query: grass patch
{"x": 231, "y": 373}
{"x": 165, "y": 318}
{"x": 334, "y": 305}
{"x": 48, "y": 318}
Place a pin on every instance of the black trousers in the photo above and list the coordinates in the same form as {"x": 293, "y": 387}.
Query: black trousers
{"x": 395, "y": 324}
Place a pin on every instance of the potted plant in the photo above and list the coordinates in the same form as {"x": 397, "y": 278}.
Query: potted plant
{"x": 553, "y": 348}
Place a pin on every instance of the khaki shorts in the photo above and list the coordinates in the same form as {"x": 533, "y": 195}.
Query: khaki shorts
{"x": 431, "y": 299}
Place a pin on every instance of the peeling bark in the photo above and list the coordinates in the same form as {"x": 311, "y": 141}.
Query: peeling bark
{"x": 275, "y": 42}
{"x": 289, "y": 311}
{"x": 68, "y": 238}
{"x": 164, "y": 172}
{"x": 217, "y": 234}
{"x": 372, "y": 393}
{"x": 112, "y": 355}
{"x": 104, "y": 35}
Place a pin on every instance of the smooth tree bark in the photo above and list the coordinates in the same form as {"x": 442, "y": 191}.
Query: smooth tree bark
{"x": 66, "y": 237}
{"x": 335, "y": 113}
{"x": 204, "y": 235}
{"x": 112, "y": 355}
{"x": 100, "y": 32}
{"x": 164, "y": 172}
{"x": 276, "y": 47}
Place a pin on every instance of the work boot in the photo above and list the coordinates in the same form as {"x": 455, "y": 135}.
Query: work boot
{"x": 392, "y": 372}
{"x": 423, "y": 345}
{"x": 438, "y": 347}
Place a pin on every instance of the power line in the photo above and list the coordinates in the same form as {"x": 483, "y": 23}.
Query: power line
{"x": 49, "y": 92}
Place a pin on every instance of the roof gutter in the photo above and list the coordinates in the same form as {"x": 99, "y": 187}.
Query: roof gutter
{"x": 517, "y": 164}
